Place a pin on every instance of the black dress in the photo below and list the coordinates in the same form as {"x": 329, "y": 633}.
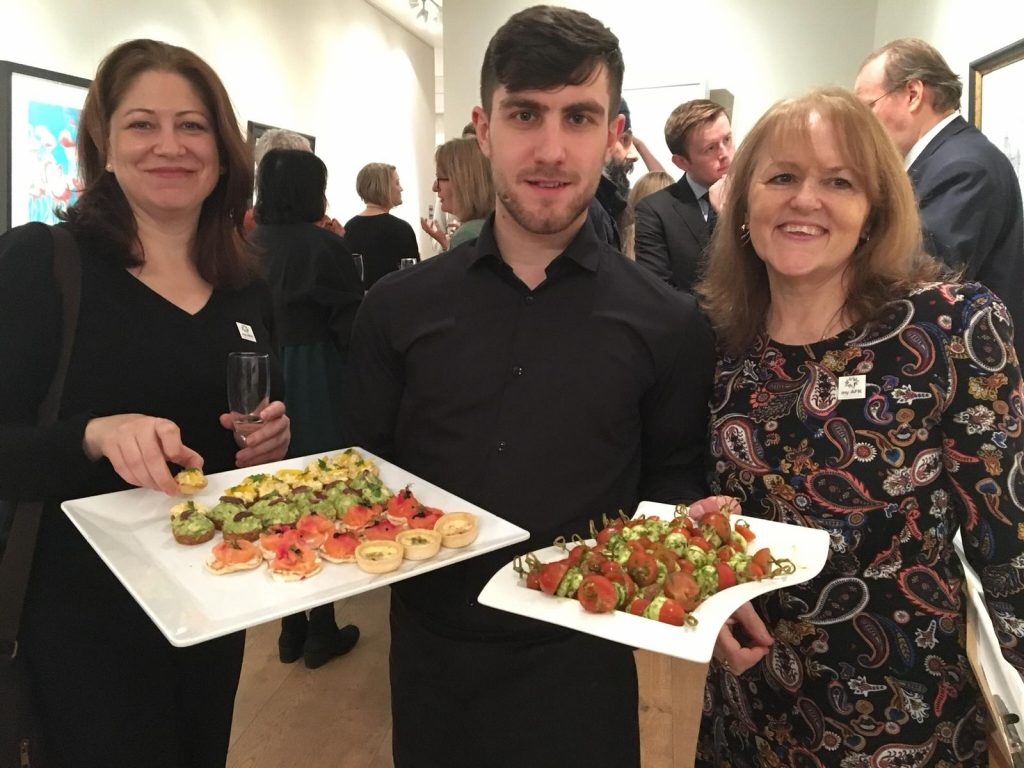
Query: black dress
{"x": 383, "y": 240}
{"x": 111, "y": 689}
{"x": 316, "y": 292}
{"x": 868, "y": 667}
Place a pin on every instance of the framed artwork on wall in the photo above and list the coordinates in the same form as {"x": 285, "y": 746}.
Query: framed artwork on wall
{"x": 39, "y": 117}
{"x": 253, "y": 131}
{"x": 995, "y": 104}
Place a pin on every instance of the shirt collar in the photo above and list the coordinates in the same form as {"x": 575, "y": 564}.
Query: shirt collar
{"x": 699, "y": 190}
{"x": 924, "y": 141}
{"x": 584, "y": 248}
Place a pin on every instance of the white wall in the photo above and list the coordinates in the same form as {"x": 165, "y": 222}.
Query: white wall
{"x": 337, "y": 69}
{"x": 962, "y": 30}
{"x": 760, "y": 50}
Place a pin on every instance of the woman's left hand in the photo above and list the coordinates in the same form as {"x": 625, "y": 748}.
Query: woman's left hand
{"x": 735, "y": 656}
{"x": 269, "y": 442}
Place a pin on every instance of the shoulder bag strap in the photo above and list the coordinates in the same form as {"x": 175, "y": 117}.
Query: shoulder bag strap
{"x": 17, "y": 559}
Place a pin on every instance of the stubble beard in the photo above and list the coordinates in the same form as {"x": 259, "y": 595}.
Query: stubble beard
{"x": 545, "y": 221}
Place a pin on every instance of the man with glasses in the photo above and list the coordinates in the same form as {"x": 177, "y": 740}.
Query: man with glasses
{"x": 967, "y": 191}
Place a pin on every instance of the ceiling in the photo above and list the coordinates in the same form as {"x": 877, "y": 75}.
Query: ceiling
{"x": 406, "y": 12}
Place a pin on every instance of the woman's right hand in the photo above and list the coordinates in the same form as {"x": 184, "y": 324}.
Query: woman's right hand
{"x": 431, "y": 228}
{"x": 139, "y": 448}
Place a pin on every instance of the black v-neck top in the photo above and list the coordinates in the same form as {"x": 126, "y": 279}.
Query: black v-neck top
{"x": 134, "y": 352}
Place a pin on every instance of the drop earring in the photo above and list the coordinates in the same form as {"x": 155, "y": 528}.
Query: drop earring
{"x": 744, "y": 234}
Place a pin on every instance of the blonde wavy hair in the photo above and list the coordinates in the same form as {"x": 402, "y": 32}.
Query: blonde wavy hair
{"x": 887, "y": 264}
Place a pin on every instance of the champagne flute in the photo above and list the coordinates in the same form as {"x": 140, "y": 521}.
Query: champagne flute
{"x": 248, "y": 382}
{"x": 360, "y": 266}
{"x": 406, "y": 263}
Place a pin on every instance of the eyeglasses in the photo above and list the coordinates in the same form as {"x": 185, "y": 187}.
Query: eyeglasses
{"x": 871, "y": 104}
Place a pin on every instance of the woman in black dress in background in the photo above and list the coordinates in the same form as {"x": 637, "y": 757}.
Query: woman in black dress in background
{"x": 383, "y": 240}
{"x": 316, "y": 292}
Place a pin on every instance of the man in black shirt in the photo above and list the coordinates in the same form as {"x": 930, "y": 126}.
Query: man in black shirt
{"x": 540, "y": 374}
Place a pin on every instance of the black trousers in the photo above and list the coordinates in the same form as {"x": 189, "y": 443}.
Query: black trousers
{"x": 466, "y": 704}
{"x": 111, "y": 690}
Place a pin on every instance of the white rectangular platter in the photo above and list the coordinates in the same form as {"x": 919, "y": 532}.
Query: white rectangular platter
{"x": 131, "y": 532}
{"x": 806, "y": 547}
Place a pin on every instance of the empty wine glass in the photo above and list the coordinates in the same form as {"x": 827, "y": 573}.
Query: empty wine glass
{"x": 248, "y": 382}
{"x": 360, "y": 267}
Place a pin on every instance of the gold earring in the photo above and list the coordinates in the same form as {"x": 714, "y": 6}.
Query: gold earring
{"x": 744, "y": 233}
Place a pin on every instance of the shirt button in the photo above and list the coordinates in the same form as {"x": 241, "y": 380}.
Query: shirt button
{"x": 502, "y": 446}
{"x": 529, "y": 299}
{"x": 517, "y": 370}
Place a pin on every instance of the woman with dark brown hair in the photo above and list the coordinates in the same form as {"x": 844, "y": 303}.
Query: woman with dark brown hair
{"x": 168, "y": 289}
{"x": 855, "y": 394}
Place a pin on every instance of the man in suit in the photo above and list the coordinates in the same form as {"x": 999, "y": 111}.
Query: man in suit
{"x": 673, "y": 225}
{"x": 967, "y": 192}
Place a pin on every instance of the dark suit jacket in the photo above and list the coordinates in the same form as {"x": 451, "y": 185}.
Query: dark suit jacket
{"x": 671, "y": 235}
{"x": 971, "y": 213}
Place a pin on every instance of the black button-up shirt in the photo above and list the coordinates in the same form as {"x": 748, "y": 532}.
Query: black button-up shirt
{"x": 548, "y": 407}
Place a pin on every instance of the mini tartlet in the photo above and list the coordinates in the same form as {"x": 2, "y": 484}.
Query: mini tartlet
{"x": 457, "y": 529}
{"x": 379, "y": 556}
{"x": 421, "y": 544}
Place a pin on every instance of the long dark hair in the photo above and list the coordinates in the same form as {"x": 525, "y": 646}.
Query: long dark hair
{"x": 290, "y": 186}
{"x": 220, "y": 251}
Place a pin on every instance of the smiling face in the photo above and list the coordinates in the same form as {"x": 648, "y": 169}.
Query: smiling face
{"x": 547, "y": 149}
{"x": 807, "y": 208}
{"x": 162, "y": 147}
{"x": 710, "y": 149}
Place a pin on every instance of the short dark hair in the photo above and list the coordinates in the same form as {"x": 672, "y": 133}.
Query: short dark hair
{"x": 220, "y": 251}
{"x": 910, "y": 58}
{"x": 290, "y": 188}
{"x": 685, "y": 118}
{"x": 546, "y": 47}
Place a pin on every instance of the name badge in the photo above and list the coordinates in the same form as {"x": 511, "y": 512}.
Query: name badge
{"x": 852, "y": 387}
{"x": 245, "y": 331}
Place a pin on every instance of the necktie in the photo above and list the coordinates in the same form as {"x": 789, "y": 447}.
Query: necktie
{"x": 712, "y": 216}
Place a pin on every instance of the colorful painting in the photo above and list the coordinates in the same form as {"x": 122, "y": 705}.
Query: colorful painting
{"x": 41, "y": 126}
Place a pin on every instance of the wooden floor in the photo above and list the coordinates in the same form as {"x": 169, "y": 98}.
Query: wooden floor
{"x": 339, "y": 714}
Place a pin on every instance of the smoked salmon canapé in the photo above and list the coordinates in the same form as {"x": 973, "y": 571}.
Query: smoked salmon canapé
{"x": 231, "y": 556}
{"x": 294, "y": 562}
{"x": 340, "y": 547}
{"x": 275, "y": 537}
{"x": 314, "y": 529}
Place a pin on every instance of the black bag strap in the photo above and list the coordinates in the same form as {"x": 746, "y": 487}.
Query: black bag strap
{"x": 21, "y": 544}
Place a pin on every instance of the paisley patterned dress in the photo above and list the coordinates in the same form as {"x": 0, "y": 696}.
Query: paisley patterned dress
{"x": 868, "y": 666}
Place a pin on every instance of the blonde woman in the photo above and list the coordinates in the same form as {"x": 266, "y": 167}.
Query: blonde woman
{"x": 382, "y": 239}
{"x": 464, "y": 186}
{"x": 646, "y": 185}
